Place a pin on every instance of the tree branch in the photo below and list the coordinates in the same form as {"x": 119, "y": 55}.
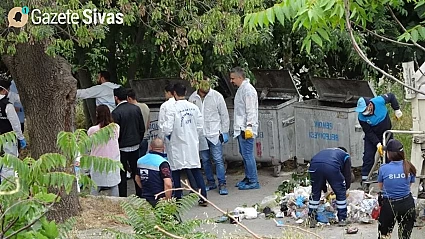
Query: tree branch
{"x": 362, "y": 54}
{"x": 189, "y": 188}
{"x": 404, "y": 29}
{"x": 67, "y": 33}
{"x": 167, "y": 233}
{"x": 383, "y": 37}
{"x": 34, "y": 221}
{"x": 10, "y": 225}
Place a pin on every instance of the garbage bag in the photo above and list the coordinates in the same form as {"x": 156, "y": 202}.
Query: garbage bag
{"x": 247, "y": 212}
{"x": 355, "y": 197}
{"x": 269, "y": 201}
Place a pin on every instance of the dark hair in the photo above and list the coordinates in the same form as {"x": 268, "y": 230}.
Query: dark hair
{"x": 105, "y": 74}
{"x": 5, "y": 84}
{"x": 344, "y": 149}
{"x": 408, "y": 167}
{"x": 131, "y": 93}
{"x": 103, "y": 116}
{"x": 238, "y": 70}
{"x": 120, "y": 93}
{"x": 169, "y": 88}
{"x": 180, "y": 89}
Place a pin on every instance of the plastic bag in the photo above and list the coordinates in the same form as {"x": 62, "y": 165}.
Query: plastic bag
{"x": 355, "y": 197}
{"x": 269, "y": 201}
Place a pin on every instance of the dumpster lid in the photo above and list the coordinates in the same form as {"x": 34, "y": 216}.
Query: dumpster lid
{"x": 275, "y": 84}
{"x": 151, "y": 90}
{"x": 341, "y": 90}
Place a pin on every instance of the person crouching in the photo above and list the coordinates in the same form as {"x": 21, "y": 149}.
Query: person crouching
{"x": 334, "y": 166}
{"x": 154, "y": 174}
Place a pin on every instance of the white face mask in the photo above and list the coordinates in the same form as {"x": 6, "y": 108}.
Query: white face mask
{"x": 366, "y": 113}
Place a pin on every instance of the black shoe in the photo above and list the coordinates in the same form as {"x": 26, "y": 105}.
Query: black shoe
{"x": 312, "y": 222}
{"x": 202, "y": 203}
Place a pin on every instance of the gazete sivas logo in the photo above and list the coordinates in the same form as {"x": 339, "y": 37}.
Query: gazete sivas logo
{"x": 19, "y": 16}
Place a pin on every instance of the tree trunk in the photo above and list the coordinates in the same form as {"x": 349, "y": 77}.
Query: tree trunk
{"x": 47, "y": 90}
{"x": 135, "y": 65}
{"x": 84, "y": 78}
{"x": 111, "y": 44}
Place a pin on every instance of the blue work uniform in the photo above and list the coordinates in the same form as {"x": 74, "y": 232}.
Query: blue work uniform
{"x": 374, "y": 127}
{"x": 398, "y": 203}
{"x": 334, "y": 166}
{"x": 152, "y": 169}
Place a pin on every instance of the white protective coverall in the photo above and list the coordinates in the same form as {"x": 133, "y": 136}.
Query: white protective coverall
{"x": 161, "y": 122}
{"x": 246, "y": 109}
{"x": 104, "y": 94}
{"x": 184, "y": 123}
{"x": 215, "y": 114}
{"x": 11, "y": 148}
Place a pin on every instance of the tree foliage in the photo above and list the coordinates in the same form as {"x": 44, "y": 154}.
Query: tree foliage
{"x": 26, "y": 198}
{"x": 166, "y": 215}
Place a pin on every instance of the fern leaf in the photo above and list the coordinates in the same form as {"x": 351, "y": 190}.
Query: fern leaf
{"x": 99, "y": 164}
{"x": 6, "y": 138}
{"x": 86, "y": 181}
{"x": 58, "y": 180}
{"x": 48, "y": 162}
{"x": 67, "y": 143}
{"x": 18, "y": 166}
{"x": 66, "y": 228}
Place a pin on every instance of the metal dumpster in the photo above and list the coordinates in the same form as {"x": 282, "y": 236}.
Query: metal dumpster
{"x": 151, "y": 92}
{"x": 275, "y": 141}
{"x": 331, "y": 120}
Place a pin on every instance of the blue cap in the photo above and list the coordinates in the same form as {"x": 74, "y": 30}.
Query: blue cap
{"x": 361, "y": 105}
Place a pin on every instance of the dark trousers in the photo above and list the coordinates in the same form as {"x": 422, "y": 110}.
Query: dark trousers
{"x": 319, "y": 174}
{"x": 368, "y": 158}
{"x": 143, "y": 147}
{"x": 129, "y": 162}
{"x": 403, "y": 211}
{"x": 197, "y": 176}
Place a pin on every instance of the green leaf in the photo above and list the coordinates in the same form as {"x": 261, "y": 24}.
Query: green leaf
{"x": 323, "y": 34}
{"x": 261, "y": 18}
{"x": 246, "y": 19}
{"x": 415, "y": 35}
{"x": 421, "y": 31}
{"x": 270, "y": 15}
{"x": 307, "y": 44}
{"x": 310, "y": 14}
{"x": 279, "y": 14}
{"x": 316, "y": 38}
{"x": 50, "y": 229}
{"x": 46, "y": 197}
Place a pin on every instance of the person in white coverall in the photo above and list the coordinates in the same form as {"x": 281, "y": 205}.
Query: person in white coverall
{"x": 9, "y": 122}
{"x": 245, "y": 126}
{"x": 216, "y": 132}
{"x": 103, "y": 92}
{"x": 183, "y": 125}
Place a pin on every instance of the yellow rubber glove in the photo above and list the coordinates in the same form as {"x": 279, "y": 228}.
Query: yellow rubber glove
{"x": 380, "y": 149}
{"x": 248, "y": 133}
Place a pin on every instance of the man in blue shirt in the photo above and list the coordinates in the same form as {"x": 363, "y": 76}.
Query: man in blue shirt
{"x": 334, "y": 166}
{"x": 154, "y": 174}
{"x": 374, "y": 119}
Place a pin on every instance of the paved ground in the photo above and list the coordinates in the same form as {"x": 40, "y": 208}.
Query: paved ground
{"x": 264, "y": 227}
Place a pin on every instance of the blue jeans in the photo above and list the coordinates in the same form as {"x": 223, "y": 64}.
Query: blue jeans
{"x": 217, "y": 156}
{"x": 197, "y": 175}
{"x": 246, "y": 149}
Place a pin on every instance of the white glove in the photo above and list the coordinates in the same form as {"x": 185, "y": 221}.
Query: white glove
{"x": 398, "y": 114}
